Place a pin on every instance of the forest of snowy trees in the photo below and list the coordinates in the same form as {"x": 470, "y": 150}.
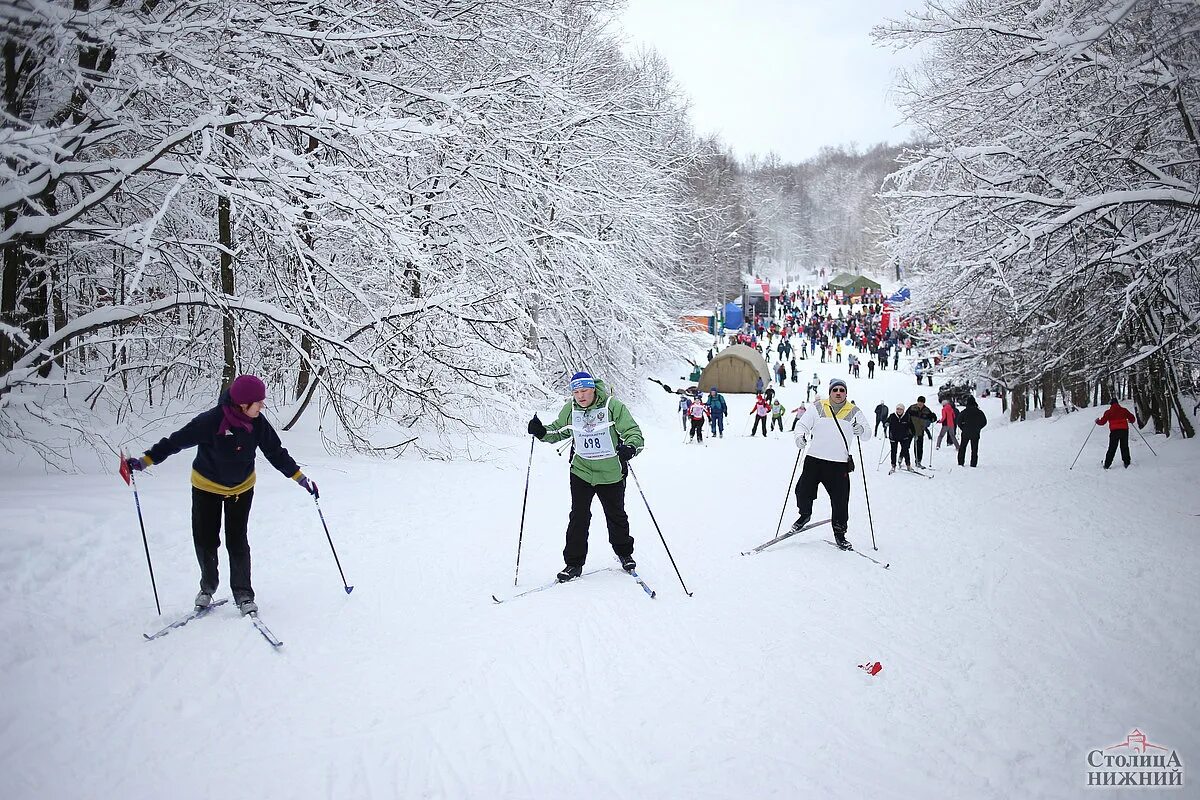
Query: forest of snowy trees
{"x": 378, "y": 210}
{"x": 763, "y": 214}
{"x": 429, "y": 212}
{"x": 1055, "y": 216}
{"x": 379, "y": 206}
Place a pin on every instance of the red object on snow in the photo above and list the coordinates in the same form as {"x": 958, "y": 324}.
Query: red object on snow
{"x": 871, "y": 667}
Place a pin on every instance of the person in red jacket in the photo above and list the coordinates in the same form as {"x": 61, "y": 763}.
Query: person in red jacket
{"x": 762, "y": 407}
{"x": 1118, "y": 419}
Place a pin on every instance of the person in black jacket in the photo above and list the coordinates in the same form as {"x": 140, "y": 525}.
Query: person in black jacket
{"x": 971, "y": 420}
{"x": 900, "y": 433}
{"x": 881, "y": 416}
{"x": 226, "y": 438}
{"x": 920, "y": 416}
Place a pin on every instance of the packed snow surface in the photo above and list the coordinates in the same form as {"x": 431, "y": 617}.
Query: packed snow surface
{"x": 1030, "y": 614}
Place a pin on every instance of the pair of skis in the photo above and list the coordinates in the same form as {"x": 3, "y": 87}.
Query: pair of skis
{"x": 857, "y": 552}
{"x": 789, "y": 534}
{"x": 632, "y": 573}
{"x": 199, "y": 612}
{"x": 807, "y": 527}
{"x": 912, "y": 471}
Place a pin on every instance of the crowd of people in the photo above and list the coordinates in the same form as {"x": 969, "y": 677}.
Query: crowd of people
{"x": 803, "y": 324}
{"x": 908, "y": 427}
{"x": 605, "y": 437}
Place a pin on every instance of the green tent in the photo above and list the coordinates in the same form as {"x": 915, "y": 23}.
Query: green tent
{"x": 734, "y": 371}
{"x": 852, "y": 284}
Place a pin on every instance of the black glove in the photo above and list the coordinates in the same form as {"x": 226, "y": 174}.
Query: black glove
{"x": 135, "y": 464}
{"x": 536, "y": 428}
{"x": 626, "y": 451}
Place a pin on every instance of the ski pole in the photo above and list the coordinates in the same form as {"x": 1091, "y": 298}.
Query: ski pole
{"x": 524, "y": 502}
{"x": 1085, "y": 441}
{"x": 660, "y": 533}
{"x": 867, "y": 494}
{"x": 1144, "y": 439}
{"x": 882, "y": 454}
{"x": 127, "y": 474}
{"x": 345, "y": 585}
{"x": 791, "y": 483}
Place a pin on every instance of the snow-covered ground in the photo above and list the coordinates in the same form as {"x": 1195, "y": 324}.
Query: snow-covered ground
{"x": 1030, "y": 614}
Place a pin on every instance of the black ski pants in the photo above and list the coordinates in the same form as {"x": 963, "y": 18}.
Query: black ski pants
{"x": 612, "y": 500}
{"x": 968, "y": 439}
{"x": 757, "y": 420}
{"x": 206, "y": 535}
{"x": 902, "y": 446}
{"x": 1116, "y": 438}
{"x": 836, "y": 480}
{"x": 918, "y": 447}
{"x": 697, "y": 431}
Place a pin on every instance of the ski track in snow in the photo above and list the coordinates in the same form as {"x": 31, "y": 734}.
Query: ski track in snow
{"x": 1030, "y": 614}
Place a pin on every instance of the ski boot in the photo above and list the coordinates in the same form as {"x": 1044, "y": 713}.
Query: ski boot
{"x": 800, "y": 522}
{"x": 569, "y": 572}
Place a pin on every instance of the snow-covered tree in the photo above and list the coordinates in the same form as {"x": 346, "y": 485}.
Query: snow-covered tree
{"x": 1054, "y": 216}
{"x": 381, "y": 206}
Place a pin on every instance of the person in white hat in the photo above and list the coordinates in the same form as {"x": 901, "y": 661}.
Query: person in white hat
{"x": 826, "y": 428}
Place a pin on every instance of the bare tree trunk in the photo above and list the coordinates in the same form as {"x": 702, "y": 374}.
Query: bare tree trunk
{"x": 531, "y": 339}
{"x": 1176, "y": 395}
{"x": 305, "y": 373}
{"x": 1020, "y": 402}
{"x": 225, "y": 237}
{"x": 1049, "y": 390}
{"x": 1080, "y": 392}
{"x": 10, "y": 349}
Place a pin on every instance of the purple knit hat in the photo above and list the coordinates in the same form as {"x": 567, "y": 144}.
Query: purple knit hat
{"x": 247, "y": 389}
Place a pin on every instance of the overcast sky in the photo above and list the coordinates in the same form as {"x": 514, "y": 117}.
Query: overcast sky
{"x": 788, "y": 76}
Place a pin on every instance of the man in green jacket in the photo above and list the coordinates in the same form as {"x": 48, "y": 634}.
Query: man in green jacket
{"x": 605, "y": 438}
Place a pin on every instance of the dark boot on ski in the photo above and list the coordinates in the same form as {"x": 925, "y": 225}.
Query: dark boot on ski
{"x": 800, "y": 522}
{"x": 569, "y": 572}
{"x": 627, "y": 563}
{"x": 839, "y": 538}
{"x": 203, "y": 599}
{"x": 247, "y": 606}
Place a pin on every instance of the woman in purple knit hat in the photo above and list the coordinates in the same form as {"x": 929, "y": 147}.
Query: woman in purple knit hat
{"x": 226, "y": 438}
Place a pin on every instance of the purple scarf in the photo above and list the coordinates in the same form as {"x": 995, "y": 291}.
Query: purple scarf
{"x": 234, "y": 418}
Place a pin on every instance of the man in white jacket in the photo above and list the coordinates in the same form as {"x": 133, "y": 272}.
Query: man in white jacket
{"x": 826, "y": 428}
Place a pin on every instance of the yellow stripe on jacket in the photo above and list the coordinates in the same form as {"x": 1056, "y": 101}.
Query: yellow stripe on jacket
{"x": 827, "y": 410}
